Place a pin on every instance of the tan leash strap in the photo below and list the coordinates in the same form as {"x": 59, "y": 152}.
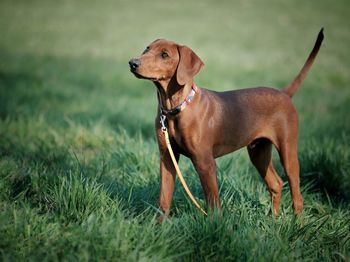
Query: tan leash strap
{"x": 182, "y": 180}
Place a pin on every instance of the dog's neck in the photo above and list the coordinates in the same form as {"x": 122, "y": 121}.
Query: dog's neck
{"x": 171, "y": 94}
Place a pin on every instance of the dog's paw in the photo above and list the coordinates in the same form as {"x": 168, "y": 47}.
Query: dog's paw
{"x": 161, "y": 219}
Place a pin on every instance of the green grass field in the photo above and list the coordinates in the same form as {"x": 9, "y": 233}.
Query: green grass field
{"x": 78, "y": 159}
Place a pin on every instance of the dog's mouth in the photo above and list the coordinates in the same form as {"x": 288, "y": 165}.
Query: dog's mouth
{"x": 134, "y": 71}
{"x": 138, "y": 75}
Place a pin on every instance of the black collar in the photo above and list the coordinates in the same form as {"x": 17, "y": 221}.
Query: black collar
{"x": 174, "y": 111}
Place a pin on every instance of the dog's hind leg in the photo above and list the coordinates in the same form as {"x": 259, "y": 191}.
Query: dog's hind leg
{"x": 289, "y": 159}
{"x": 260, "y": 155}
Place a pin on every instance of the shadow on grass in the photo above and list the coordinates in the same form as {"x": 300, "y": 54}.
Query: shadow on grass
{"x": 74, "y": 191}
{"x": 328, "y": 173}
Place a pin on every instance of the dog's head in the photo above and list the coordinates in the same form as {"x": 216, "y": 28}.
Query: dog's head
{"x": 163, "y": 60}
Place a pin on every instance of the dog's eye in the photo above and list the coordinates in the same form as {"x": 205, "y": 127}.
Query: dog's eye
{"x": 146, "y": 50}
{"x": 164, "y": 54}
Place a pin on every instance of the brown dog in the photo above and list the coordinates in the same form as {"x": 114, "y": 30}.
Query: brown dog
{"x": 204, "y": 124}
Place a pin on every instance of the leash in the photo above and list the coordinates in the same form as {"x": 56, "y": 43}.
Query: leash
{"x": 177, "y": 168}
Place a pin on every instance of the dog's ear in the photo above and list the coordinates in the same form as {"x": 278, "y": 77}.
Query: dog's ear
{"x": 189, "y": 65}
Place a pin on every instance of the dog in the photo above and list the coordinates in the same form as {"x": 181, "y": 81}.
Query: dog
{"x": 205, "y": 124}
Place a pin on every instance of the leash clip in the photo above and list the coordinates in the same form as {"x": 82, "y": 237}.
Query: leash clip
{"x": 162, "y": 121}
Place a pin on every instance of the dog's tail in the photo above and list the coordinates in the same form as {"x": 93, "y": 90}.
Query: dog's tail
{"x": 294, "y": 85}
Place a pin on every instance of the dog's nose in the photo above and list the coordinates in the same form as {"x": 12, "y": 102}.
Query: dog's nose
{"x": 134, "y": 63}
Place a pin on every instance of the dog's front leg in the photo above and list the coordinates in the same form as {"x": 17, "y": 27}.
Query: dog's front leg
{"x": 167, "y": 182}
{"x": 206, "y": 168}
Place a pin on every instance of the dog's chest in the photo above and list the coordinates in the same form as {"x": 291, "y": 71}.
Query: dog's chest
{"x": 180, "y": 138}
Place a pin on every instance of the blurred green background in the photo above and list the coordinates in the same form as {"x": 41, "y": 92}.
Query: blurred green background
{"x": 78, "y": 157}
{"x": 73, "y": 54}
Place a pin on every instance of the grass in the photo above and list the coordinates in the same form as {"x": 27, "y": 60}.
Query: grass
{"x": 78, "y": 158}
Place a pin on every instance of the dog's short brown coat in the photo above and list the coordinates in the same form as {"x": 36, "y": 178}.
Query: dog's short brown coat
{"x": 215, "y": 124}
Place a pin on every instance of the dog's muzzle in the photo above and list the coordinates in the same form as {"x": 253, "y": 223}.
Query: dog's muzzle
{"x": 134, "y": 64}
